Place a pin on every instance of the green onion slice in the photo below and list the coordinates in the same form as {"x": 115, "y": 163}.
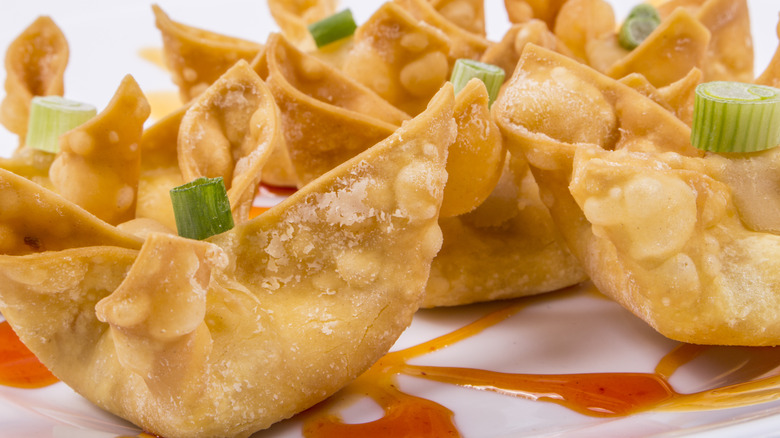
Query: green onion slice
{"x": 467, "y": 69}
{"x": 735, "y": 117}
{"x": 645, "y": 10}
{"x": 201, "y": 208}
{"x": 641, "y": 22}
{"x": 52, "y": 116}
{"x": 333, "y": 28}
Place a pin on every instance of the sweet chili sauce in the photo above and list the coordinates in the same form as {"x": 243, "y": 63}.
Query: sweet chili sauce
{"x": 18, "y": 366}
{"x": 593, "y": 394}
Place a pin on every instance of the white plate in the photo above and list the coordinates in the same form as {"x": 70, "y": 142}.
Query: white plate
{"x": 561, "y": 333}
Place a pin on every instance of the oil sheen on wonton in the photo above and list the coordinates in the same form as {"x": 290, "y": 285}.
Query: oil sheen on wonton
{"x": 197, "y": 57}
{"x": 674, "y": 237}
{"x": 99, "y": 162}
{"x": 255, "y": 324}
{"x": 229, "y": 131}
{"x": 35, "y": 66}
{"x": 327, "y": 117}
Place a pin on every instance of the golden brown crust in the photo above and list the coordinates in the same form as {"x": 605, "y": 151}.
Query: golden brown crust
{"x": 35, "y": 66}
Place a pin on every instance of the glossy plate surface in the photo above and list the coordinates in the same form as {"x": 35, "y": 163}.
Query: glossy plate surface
{"x": 574, "y": 331}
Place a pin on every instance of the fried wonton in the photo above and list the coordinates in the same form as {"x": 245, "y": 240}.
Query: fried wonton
{"x": 35, "y": 66}
{"x": 507, "y": 247}
{"x": 159, "y": 171}
{"x": 327, "y": 117}
{"x": 197, "y": 57}
{"x": 678, "y": 97}
{"x": 401, "y": 59}
{"x": 524, "y": 10}
{"x": 468, "y": 14}
{"x": 476, "y": 158}
{"x": 683, "y": 240}
{"x": 99, "y": 162}
{"x": 229, "y": 131}
{"x": 463, "y": 44}
{"x": 227, "y": 336}
{"x": 34, "y": 219}
{"x": 580, "y": 21}
{"x": 681, "y": 41}
{"x": 729, "y": 55}
{"x": 506, "y": 52}
{"x": 294, "y": 17}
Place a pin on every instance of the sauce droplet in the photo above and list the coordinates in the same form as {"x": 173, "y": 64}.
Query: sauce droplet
{"x": 18, "y": 366}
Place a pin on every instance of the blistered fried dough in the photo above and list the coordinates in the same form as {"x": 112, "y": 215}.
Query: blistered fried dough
{"x": 98, "y": 165}
{"x": 223, "y": 338}
{"x": 506, "y": 52}
{"x": 655, "y": 226}
{"x": 468, "y": 14}
{"x": 580, "y": 21}
{"x": 523, "y": 10}
{"x": 771, "y": 75}
{"x": 463, "y": 44}
{"x": 680, "y": 40}
{"x": 668, "y": 243}
{"x": 507, "y": 247}
{"x": 294, "y": 16}
{"x": 476, "y": 158}
{"x": 34, "y": 219}
{"x": 35, "y": 65}
{"x": 197, "y": 57}
{"x": 552, "y": 99}
{"x": 327, "y": 117}
{"x": 729, "y": 54}
{"x": 401, "y": 59}
{"x": 229, "y": 132}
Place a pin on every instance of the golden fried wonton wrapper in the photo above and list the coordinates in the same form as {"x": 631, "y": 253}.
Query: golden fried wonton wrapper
{"x": 677, "y": 97}
{"x": 580, "y": 21}
{"x": 327, "y": 117}
{"x": 160, "y": 169}
{"x": 507, "y": 247}
{"x": 476, "y": 158}
{"x": 197, "y": 57}
{"x": 463, "y": 44}
{"x": 523, "y": 10}
{"x": 401, "y": 59}
{"x": 35, "y": 65}
{"x": 729, "y": 55}
{"x": 99, "y": 162}
{"x": 676, "y": 46}
{"x": 674, "y": 237}
{"x": 229, "y": 131}
{"x": 34, "y": 219}
{"x": 468, "y": 14}
{"x": 222, "y": 338}
{"x": 506, "y": 52}
{"x": 294, "y": 17}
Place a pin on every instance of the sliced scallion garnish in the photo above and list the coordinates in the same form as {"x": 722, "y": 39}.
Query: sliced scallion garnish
{"x": 735, "y": 117}
{"x": 52, "y": 116}
{"x": 201, "y": 208}
{"x": 333, "y": 28}
{"x": 641, "y": 22}
{"x": 467, "y": 69}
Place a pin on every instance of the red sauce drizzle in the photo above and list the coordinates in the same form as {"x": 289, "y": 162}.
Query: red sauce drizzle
{"x": 18, "y": 366}
{"x": 594, "y": 394}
